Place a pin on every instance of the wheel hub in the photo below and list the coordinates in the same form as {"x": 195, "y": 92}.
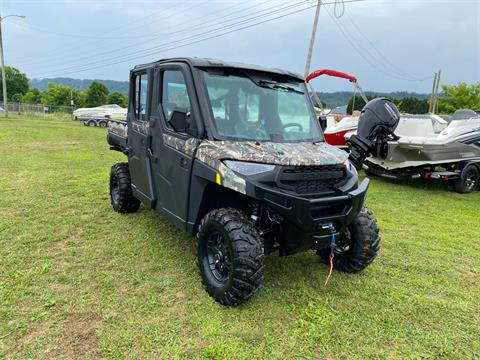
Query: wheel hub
{"x": 470, "y": 180}
{"x": 218, "y": 254}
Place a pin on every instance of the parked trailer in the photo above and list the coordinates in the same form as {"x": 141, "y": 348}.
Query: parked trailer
{"x": 102, "y": 122}
{"x": 463, "y": 174}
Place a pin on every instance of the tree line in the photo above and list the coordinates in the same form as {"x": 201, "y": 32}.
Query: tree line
{"x": 58, "y": 95}
{"x": 452, "y": 98}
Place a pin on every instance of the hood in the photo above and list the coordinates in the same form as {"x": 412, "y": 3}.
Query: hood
{"x": 287, "y": 154}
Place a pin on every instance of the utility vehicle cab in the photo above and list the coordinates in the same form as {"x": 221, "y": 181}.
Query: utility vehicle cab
{"x": 235, "y": 154}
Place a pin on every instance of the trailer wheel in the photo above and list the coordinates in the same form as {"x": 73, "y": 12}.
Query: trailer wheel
{"x": 91, "y": 123}
{"x": 121, "y": 194}
{"x": 102, "y": 124}
{"x": 469, "y": 179}
{"x": 230, "y": 256}
{"x": 364, "y": 244}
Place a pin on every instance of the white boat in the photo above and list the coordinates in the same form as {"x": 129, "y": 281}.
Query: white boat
{"x": 429, "y": 146}
{"x": 335, "y": 133}
{"x": 432, "y": 140}
{"x": 111, "y": 111}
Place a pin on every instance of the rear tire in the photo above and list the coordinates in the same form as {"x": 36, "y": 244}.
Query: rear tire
{"x": 469, "y": 180}
{"x": 230, "y": 256}
{"x": 92, "y": 123}
{"x": 121, "y": 195}
{"x": 363, "y": 248}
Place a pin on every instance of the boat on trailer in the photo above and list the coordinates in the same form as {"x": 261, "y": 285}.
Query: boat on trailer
{"x": 430, "y": 146}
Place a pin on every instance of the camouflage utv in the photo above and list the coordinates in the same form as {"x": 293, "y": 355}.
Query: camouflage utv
{"x": 234, "y": 154}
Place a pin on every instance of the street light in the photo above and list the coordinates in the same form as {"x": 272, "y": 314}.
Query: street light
{"x": 4, "y": 80}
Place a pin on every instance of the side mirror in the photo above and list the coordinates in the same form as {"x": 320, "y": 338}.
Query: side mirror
{"x": 323, "y": 121}
{"x": 179, "y": 119}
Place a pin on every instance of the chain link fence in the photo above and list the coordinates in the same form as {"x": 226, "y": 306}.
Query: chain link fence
{"x": 36, "y": 109}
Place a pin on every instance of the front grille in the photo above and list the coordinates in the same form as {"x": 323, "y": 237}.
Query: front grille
{"x": 312, "y": 179}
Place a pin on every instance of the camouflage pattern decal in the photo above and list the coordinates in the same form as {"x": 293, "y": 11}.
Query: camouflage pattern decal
{"x": 185, "y": 146}
{"x": 287, "y": 154}
{"x": 140, "y": 127}
{"x": 212, "y": 153}
{"x": 117, "y": 128}
{"x": 231, "y": 180}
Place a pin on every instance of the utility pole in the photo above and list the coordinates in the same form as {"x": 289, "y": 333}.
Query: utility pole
{"x": 4, "y": 80}
{"x": 432, "y": 97}
{"x": 435, "y": 104}
{"x": 312, "y": 38}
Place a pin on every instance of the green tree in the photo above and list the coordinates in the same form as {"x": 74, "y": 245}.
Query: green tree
{"x": 117, "y": 98}
{"x": 56, "y": 95}
{"x": 359, "y": 103}
{"x": 16, "y": 98}
{"x": 412, "y": 105}
{"x": 460, "y": 96}
{"x": 34, "y": 96}
{"x": 97, "y": 94}
{"x": 61, "y": 95}
{"x": 17, "y": 82}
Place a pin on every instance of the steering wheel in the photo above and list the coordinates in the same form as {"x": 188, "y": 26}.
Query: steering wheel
{"x": 300, "y": 127}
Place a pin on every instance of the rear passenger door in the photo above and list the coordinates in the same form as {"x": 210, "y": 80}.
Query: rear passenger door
{"x": 139, "y": 136}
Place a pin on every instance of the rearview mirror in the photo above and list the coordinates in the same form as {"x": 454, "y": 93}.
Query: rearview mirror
{"x": 179, "y": 119}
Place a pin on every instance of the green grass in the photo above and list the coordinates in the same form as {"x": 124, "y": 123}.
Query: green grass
{"x": 79, "y": 280}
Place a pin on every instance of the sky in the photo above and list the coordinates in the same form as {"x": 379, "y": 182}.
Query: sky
{"x": 388, "y": 45}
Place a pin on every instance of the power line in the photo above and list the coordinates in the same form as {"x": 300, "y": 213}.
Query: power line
{"x": 399, "y": 71}
{"x": 191, "y": 37}
{"x": 361, "y": 52}
{"x": 132, "y": 45}
{"x": 199, "y": 40}
{"x": 76, "y": 46}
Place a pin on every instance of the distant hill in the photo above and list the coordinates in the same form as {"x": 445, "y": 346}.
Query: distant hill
{"x": 331, "y": 99}
{"x": 339, "y": 98}
{"x": 112, "y": 85}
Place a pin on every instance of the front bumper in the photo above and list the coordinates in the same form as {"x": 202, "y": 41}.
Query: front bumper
{"x": 307, "y": 219}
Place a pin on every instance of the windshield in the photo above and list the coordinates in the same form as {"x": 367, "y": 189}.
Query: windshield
{"x": 247, "y": 108}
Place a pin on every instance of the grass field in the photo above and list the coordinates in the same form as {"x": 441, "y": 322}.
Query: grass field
{"x": 78, "y": 280}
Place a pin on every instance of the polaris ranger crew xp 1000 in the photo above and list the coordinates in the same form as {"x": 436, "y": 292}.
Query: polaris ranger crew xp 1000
{"x": 234, "y": 154}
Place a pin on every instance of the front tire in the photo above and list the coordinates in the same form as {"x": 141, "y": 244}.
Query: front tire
{"x": 364, "y": 244}
{"x": 469, "y": 180}
{"x": 230, "y": 256}
{"x": 121, "y": 195}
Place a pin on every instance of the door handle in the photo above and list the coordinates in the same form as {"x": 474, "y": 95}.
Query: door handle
{"x": 183, "y": 162}
{"x": 151, "y": 156}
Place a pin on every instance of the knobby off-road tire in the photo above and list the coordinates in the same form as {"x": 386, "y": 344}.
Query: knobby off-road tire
{"x": 469, "y": 180}
{"x": 230, "y": 256}
{"x": 121, "y": 195}
{"x": 363, "y": 248}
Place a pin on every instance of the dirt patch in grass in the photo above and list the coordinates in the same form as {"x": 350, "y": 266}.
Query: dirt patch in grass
{"x": 79, "y": 337}
{"x": 37, "y": 332}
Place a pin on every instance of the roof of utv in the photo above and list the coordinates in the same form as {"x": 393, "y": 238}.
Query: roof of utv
{"x": 216, "y": 63}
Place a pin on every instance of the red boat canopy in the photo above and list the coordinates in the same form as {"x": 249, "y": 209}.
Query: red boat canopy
{"x": 328, "y": 72}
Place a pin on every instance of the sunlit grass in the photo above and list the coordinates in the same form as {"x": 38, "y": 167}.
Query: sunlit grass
{"x": 79, "y": 280}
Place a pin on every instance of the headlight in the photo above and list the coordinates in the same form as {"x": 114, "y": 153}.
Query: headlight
{"x": 248, "y": 168}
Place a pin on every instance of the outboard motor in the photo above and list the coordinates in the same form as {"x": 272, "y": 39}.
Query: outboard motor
{"x": 377, "y": 123}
